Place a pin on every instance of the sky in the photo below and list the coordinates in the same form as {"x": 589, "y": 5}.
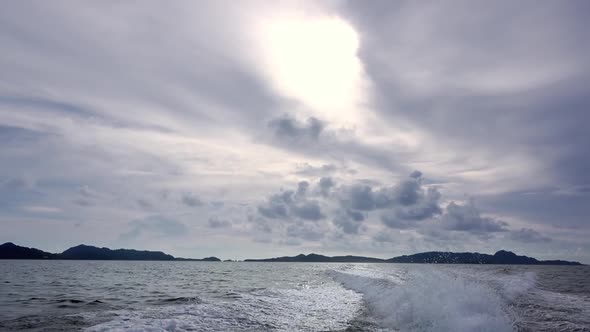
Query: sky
{"x": 250, "y": 129}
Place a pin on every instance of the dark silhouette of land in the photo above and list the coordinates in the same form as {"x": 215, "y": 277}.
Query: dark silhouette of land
{"x": 433, "y": 257}
{"x": 315, "y": 258}
{"x": 10, "y": 250}
{"x": 84, "y": 252}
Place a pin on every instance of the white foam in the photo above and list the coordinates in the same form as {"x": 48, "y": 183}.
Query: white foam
{"x": 430, "y": 300}
{"x": 325, "y": 308}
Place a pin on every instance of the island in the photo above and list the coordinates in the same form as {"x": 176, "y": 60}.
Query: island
{"x": 432, "y": 257}
{"x": 315, "y": 258}
{"x": 85, "y": 252}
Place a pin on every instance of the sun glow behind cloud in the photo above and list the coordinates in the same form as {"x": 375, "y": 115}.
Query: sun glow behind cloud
{"x": 313, "y": 60}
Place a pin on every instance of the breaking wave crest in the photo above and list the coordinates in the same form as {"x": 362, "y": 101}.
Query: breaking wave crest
{"x": 433, "y": 300}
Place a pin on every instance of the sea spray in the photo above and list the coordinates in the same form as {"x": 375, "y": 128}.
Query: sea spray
{"x": 430, "y": 300}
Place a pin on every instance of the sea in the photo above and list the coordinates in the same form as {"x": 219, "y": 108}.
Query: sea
{"x": 97, "y": 296}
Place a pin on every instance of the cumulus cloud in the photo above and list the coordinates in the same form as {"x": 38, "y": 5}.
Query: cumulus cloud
{"x": 291, "y": 130}
{"x": 292, "y": 205}
{"x": 349, "y": 221}
{"x": 489, "y": 112}
{"x": 467, "y": 218}
{"x": 277, "y": 205}
{"x": 402, "y": 203}
{"x": 325, "y": 185}
{"x": 308, "y": 210}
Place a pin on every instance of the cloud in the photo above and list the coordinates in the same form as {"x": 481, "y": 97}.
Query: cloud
{"x": 156, "y": 224}
{"x": 528, "y": 235}
{"x": 19, "y": 183}
{"x": 467, "y": 218}
{"x": 402, "y": 203}
{"x": 349, "y": 221}
{"x": 358, "y": 197}
{"x": 416, "y": 174}
{"x": 216, "y": 222}
{"x": 307, "y": 210}
{"x": 293, "y": 131}
{"x": 290, "y": 205}
{"x": 325, "y": 185}
{"x": 277, "y": 205}
{"x": 324, "y": 170}
{"x": 254, "y": 106}
{"x": 191, "y": 200}
{"x": 144, "y": 203}
{"x": 305, "y": 232}
{"x": 314, "y": 137}
{"x": 348, "y": 206}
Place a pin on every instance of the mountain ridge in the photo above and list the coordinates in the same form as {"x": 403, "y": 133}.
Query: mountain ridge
{"x": 502, "y": 257}
{"x": 10, "y": 250}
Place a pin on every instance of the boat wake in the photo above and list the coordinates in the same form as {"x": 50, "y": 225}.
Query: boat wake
{"x": 435, "y": 300}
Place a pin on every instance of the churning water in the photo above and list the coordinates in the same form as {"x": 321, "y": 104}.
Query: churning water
{"x": 207, "y": 296}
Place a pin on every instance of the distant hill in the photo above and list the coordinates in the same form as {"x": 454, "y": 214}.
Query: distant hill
{"x": 84, "y": 252}
{"x": 94, "y": 253}
{"x": 433, "y": 257}
{"x": 500, "y": 257}
{"x": 206, "y": 259}
{"x": 10, "y": 250}
{"x": 315, "y": 258}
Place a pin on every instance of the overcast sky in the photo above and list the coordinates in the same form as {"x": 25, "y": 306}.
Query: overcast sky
{"x": 246, "y": 129}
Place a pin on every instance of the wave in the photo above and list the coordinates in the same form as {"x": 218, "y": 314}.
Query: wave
{"x": 432, "y": 300}
{"x": 328, "y": 307}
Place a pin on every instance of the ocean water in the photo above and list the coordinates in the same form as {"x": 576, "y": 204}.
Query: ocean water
{"x": 207, "y": 296}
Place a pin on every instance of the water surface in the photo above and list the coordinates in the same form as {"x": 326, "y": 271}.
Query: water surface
{"x": 214, "y": 296}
